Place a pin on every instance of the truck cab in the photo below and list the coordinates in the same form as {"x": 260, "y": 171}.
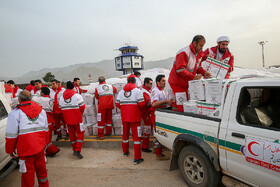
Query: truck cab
{"x": 239, "y": 140}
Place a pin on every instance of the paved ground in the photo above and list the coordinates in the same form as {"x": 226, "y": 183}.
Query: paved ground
{"x": 102, "y": 167}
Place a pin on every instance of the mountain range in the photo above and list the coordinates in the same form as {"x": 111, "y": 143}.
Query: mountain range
{"x": 104, "y": 68}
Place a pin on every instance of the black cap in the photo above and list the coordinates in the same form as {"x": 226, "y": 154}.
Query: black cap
{"x": 70, "y": 85}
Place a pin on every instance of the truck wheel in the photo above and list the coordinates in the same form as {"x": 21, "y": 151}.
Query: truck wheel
{"x": 196, "y": 168}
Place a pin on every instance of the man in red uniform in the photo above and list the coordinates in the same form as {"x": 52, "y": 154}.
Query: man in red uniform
{"x": 221, "y": 53}
{"x": 73, "y": 107}
{"x": 16, "y": 89}
{"x": 137, "y": 76}
{"x": 185, "y": 68}
{"x": 105, "y": 95}
{"x": 56, "y": 94}
{"x": 146, "y": 114}
{"x": 31, "y": 86}
{"x": 77, "y": 88}
{"x": 45, "y": 101}
{"x": 38, "y": 87}
{"x": 159, "y": 100}
{"x": 130, "y": 101}
{"x": 27, "y": 134}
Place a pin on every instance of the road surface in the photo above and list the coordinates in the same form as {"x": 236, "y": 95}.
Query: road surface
{"x": 102, "y": 167}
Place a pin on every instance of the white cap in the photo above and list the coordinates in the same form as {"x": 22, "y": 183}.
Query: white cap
{"x": 223, "y": 39}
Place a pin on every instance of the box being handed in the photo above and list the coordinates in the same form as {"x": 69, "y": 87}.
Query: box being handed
{"x": 213, "y": 91}
{"x": 205, "y": 108}
{"x": 196, "y": 90}
{"x": 216, "y": 68}
{"x": 190, "y": 106}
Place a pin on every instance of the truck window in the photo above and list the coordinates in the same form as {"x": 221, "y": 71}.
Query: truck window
{"x": 259, "y": 107}
{"x": 3, "y": 111}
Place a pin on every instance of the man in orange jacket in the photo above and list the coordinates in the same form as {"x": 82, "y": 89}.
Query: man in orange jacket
{"x": 73, "y": 107}
{"x": 221, "y": 53}
{"x": 130, "y": 101}
{"x": 56, "y": 93}
{"x": 77, "y": 88}
{"x": 146, "y": 114}
{"x": 27, "y": 132}
{"x": 105, "y": 95}
{"x": 185, "y": 68}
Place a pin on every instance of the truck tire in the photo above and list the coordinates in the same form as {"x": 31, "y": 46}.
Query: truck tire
{"x": 196, "y": 168}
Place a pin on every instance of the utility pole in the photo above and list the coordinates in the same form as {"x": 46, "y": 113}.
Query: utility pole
{"x": 262, "y": 44}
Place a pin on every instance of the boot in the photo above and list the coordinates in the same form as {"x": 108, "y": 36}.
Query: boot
{"x": 162, "y": 157}
{"x": 99, "y": 138}
{"x": 53, "y": 154}
{"x": 59, "y": 137}
{"x": 67, "y": 137}
{"x": 146, "y": 150}
{"x": 78, "y": 154}
{"x": 138, "y": 161}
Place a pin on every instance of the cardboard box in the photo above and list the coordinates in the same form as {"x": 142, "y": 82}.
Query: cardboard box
{"x": 91, "y": 119}
{"x": 205, "y": 108}
{"x": 118, "y": 131}
{"x": 88, "y": 98}
{"x": 118, "y": 86}
{"x": 94, "y": 129}
{"x": 117, "y": 120}
{"x": 196, "y": 90}
{"x": 190, "y": 106}
{"x": 213, "y": 91}
{"x": 217, "y": 68}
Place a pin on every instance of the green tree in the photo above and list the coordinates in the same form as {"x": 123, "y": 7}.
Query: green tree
{"x": 48, "y": 77}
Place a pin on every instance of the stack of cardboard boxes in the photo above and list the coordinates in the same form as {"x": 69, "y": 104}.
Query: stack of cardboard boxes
{"x": 205, "y": 95}
{"x": 90, "y": 113}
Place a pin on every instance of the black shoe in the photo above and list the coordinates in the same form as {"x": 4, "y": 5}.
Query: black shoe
{"x": 108, "y": 135}
{"x": 67, "y": 137}
{"x": 53, "y": 154}
{"x": 146, "y": 150}
{"x": 59, "y": 137}
{"x": 78, "y": 154}
{"x": 138, "y": 161}
{"x": 126, "y": 154}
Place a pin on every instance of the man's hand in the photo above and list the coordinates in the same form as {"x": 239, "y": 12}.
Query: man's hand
{"x": 207, "y": 75}
{"x": 197, "y": 77}
{"x": 170, "y": 102}
{"x": 211, "y": 55}
{"x": 13, "y": 155}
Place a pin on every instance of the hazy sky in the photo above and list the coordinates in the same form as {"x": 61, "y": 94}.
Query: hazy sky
{"x": 36, "y": 34}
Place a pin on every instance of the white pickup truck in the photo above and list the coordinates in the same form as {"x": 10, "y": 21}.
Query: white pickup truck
{"x": 239, "y": 140}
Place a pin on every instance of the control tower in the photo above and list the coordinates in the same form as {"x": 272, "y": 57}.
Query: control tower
{"x": 129, "y": 60}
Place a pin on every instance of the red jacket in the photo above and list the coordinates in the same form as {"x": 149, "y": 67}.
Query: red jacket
{"x": 185, "y": 67}
{"x": 29, "y": 87}
{"x": 8, "y": 89}
{"x": 79, "y": 90}
{"x": 228, "y": 58}
{"x": 72, "y": 106}
{"x": 130, "y": 100}
{"x": 55, "y": 96}
{"x": 27, "y": 129}
{"x": 147, "y": 97}
{"x": 138, "y": 80}
{"x": 105, "y": 95}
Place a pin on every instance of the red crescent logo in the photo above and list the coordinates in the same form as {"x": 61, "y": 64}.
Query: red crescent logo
{"x": 249, "y": 147}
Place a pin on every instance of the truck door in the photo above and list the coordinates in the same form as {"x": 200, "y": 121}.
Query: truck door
{"x": 253, "y": 133}
{"x": 3, "y": 123}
